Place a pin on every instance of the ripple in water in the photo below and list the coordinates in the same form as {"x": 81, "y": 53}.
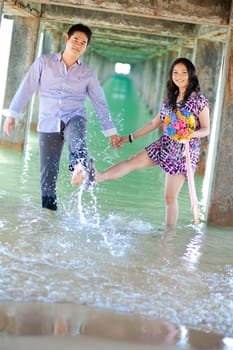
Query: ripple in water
{"x": 85, "y": 255}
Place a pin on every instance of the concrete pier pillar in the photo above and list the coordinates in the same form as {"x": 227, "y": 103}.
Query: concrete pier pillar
{"x": 147, "y": 81}
{"x": 187, "y": 52}
{"x": 102, "y": 66}
{"x": 52, "y": 41}
{"x": 22, "y": 54}
{"x": 162, "y": 75}
{"x": 1, "y": 8}
{"x": 208, "y": 59}
{"x": 154, "y": 84}
{"x": 220, "y": 211}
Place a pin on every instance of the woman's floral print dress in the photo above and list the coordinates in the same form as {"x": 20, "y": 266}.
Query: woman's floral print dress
{"x": 169, "y": 154}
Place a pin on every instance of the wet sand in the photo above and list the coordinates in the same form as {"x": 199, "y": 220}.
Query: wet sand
{"x": 66, "y": 326}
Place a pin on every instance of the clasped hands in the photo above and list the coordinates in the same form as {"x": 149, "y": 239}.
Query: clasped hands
{"x": 117, "y": 141}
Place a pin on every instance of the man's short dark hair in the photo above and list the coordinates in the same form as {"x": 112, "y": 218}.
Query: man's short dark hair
{"x": 80, "y": 28}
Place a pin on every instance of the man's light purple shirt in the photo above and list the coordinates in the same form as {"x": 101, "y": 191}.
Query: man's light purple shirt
{"x": 62, "y": 94}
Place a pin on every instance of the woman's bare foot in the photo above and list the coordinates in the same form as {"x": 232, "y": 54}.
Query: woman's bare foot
{"x": 79, "y": 175}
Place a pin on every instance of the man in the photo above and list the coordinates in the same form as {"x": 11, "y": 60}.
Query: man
{"x": 63, "y": 83}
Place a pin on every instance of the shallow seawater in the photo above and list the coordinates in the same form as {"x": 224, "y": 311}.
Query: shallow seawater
{"x": 108, "y": 248}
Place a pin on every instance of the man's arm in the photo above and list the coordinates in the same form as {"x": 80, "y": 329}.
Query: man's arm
{"x": 100, "y": 104}
{"x": 21, "y": 97}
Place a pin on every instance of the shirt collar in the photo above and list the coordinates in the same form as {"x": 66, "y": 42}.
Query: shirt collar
{"x": 59, "y": 57}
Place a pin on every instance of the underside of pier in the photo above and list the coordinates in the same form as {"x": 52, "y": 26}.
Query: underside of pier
{"x": 148, "y": 35}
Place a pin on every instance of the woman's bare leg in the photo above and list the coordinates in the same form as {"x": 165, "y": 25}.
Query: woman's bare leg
{"x": 139, "y": 161}
{"x": 173, "y": 186}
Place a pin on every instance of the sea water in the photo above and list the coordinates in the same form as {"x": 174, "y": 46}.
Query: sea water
{"x": 108, "y": 248}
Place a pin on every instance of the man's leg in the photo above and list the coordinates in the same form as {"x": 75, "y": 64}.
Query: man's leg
{"x": 51, "y": 145}
{"x": 75, "y": 134}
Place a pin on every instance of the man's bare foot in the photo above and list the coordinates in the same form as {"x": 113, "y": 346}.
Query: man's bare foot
{"x": 79, "y": 175}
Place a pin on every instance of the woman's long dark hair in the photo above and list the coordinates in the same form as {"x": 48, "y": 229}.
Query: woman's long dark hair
{"x": 173, "y": 90}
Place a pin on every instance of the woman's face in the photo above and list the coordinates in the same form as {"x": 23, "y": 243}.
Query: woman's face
{"x": 180, "y": 76}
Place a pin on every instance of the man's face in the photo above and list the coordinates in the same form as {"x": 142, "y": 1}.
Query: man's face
{"x": 77, "y": 43}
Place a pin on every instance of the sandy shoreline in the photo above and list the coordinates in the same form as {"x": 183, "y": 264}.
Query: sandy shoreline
{"x": 59, "y": 326}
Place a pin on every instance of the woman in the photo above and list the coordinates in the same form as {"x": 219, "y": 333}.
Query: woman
{"x": 183, "y": 93}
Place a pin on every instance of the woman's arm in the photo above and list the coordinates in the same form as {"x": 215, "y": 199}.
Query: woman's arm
{"x": 146, "y": 129}
{"x": 204, "y": 118}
